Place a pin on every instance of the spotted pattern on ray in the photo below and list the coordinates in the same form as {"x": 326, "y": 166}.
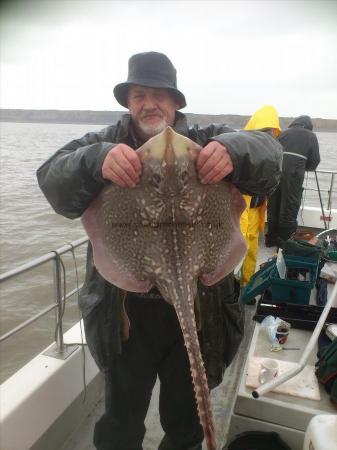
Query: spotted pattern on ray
{"x": 169, "y": 231}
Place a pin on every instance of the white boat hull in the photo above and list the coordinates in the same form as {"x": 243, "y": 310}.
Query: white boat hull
{"x": 312, "y": 217}
{"x": 42, "y": 403}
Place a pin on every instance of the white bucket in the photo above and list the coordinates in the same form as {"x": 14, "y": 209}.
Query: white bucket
{"x": 321, "y": 433}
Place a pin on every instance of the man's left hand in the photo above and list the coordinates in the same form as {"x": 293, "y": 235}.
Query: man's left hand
{"x": 214, "y": 163}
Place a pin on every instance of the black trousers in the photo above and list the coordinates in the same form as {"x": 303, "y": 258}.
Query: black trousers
{"x": 284, "y": 203}
{"x": 155, "y": 348}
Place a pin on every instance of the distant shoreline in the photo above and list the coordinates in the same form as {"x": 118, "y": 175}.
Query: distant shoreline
{"x": 109, "y": 117}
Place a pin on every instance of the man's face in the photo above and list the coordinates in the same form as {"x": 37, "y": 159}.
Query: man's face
{"x": 151, "y": 109}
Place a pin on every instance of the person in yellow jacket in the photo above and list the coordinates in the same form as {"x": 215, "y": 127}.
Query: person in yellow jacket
{"x": 253, "y": 218}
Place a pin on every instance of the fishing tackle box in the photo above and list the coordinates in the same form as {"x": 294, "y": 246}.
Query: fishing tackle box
{"x": 284, "y": 290}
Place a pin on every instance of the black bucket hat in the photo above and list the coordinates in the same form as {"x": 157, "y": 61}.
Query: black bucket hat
{"x": 150, "y": 69}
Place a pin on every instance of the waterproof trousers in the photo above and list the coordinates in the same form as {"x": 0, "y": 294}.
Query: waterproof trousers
{"x": 283, "y": 206}
{"x": 250, "y": 224}
{"x": 155, "y": 348}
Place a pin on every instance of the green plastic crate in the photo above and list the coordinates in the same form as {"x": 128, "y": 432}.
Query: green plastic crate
{"x": 294, "y": 291}
{"x": 333, "y": 255}
{"x": 259, "y": 282}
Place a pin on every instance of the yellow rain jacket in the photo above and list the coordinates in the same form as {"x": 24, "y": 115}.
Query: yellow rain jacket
{"x": 253, "y": 218}
{"x": 264, "y": 118}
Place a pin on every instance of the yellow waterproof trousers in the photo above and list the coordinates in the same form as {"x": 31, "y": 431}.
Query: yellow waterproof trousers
{"x": 251, "y": 221}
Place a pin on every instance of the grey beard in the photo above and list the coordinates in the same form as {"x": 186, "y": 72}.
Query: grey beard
{"x": 148, "y": 132}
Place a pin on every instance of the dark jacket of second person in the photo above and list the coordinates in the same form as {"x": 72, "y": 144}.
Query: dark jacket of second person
{"x": 300, "y": 147}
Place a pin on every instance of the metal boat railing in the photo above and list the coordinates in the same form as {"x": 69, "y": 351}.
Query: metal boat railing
{"x": 331, "y": 200}
{"x": 59, "y": 296}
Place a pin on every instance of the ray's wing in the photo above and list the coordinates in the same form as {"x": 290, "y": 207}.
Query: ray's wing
{"x": 221, "y": 238}
{"x": 112, "y": 224}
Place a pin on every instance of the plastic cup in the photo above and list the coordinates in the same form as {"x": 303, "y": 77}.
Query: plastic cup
{"x": 282, "y": 336}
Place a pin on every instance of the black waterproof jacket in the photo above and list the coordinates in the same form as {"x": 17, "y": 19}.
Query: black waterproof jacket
{"x": 300, "y": 146}
{"x": 72, "y": 178}
{"x": 300, "y": 154}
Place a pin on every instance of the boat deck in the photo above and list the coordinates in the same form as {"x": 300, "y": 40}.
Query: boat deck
{"x": 288, "y": 409}
{"x": 222, "y": 397}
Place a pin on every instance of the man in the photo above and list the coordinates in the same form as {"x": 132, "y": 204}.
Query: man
{"x": 72, "y": 178}
{"x": 300, "y": 153}
{"x": 253, "y": 218}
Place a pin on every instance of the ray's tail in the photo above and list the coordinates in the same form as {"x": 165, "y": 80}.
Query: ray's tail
{"x": 184, "y": 306}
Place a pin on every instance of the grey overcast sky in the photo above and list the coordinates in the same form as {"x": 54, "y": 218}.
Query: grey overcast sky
{"x": 232, "y": 57}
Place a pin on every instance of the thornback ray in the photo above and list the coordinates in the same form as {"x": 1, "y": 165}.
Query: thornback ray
{"x": 169, "y": 231}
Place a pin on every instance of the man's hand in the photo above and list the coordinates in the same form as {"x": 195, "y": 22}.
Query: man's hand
{"x": 122, "y": 166}
{"x": 214, "y": 163}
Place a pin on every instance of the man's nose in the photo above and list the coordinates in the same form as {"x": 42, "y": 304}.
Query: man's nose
{"x": 150, "y": 103}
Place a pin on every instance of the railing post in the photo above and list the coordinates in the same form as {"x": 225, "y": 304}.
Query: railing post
{"x": 330, "y": 192}
{"x": 58, "y": 300}
{"x": 59, "y": 350}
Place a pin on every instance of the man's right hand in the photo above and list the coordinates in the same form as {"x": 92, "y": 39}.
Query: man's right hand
{"x": 122, "y": 166}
